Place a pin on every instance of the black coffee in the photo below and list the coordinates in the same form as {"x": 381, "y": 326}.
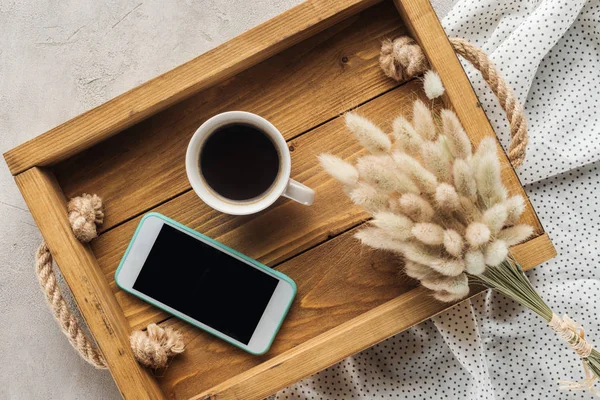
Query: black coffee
{"x": 239, "y": 161}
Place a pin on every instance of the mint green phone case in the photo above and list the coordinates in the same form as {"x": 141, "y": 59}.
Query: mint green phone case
{"x": 226, "y": 249}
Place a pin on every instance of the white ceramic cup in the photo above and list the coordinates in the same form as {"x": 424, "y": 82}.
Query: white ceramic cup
{"x": 282, "y": 185}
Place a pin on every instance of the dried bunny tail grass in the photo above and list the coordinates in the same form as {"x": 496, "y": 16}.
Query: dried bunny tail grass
{"x": 377, "y": 239}
{"x": 458, "y": 285}
{"x": 339, "y": 169}
{"x": 495, "y": 253}
{"x": 515, "y": 234}
{"x": 515, "y": 205}
{"x": 448, "y": 267}
{"x": 419, "y": 271}
{"x": 406, "y": 137}
{"x": 477, "y": 234}
{"x": 416, "y": 208}
{"x": 437, "y": 160}
{"x": 447, "y": 297}
{"x": 397, "y": 226}
{"x": 469, "y": 211}
{"x": 456, "y": 138}
{"x": 474, "y": 262}
{"x": 428, "y": 233}
{"x": 424, "y": 179}
{"x": 464, "y": 181}
{"x": 432, "y": 84}
{"x": 367, "y": 196}
{"x": 368, "y": 134}
{"x": 385, "y": 177}
{"x": 423, "y": 121}
{"x": 486, "y": 147}
{"x": 495, "y": 217}
{"x": 487, "y": 176}
{"x": 453, "y": 242}
{"x": 418, "y": 253}
{"x": 446, "y": 198}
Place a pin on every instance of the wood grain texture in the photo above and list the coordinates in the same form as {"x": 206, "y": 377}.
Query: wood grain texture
{"x": 328, "y": 348}
{"x": 296, "y": 90}
{"x": 283, "y": 230}
{"x": 534, "y": 251}
{"x": 426, "y": 29}
{"x": 332, "y": 342}
{"x": 90, "y": 289}
{"x": 223, "y": 62}
{"x": 349, "y": 298}
{"x": 337, "y": 282}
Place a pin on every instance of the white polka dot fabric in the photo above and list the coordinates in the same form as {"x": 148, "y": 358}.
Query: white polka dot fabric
{"x": 490, "y": 347}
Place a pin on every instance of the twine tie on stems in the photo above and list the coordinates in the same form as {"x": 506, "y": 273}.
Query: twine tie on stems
{"x": 574, "y": 335}
{"x": 151, "y": 348}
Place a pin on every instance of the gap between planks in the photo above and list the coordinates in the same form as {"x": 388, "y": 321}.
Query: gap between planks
{"x": 296, "y": 90}
{"x": 283, "y": 230}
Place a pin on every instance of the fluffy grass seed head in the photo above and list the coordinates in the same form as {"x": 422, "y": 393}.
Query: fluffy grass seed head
{"x": 464, "y": 181}
{"x": 419, "y": 271}
{"x": 487, "y": 174}
{"x": 367, "y": 196}
{"x": 474, "y": 262}
{"x": 368, "y": 134}
{"x": 416, "y": 208}
{"x": 446, "y": 198}
{"x": 449, "y": 266}
{"x": 424, "y": 179}
{"x": 406, "y": 137}
{"x": 432, "y": 84}
{"x": 495, "y": 217}
{"x": 495, "y": 252}
{"x": 435, "y": 201}
{"x": 457, "y": 285}
{"x": 477, "y": 234}
{"x": 396, "y": 226}
{"x": 428, "y": 233}
{"x": 383, "y": 176}
{"x": 453, "y": 243}
{"x": 423, "y": 121}
{"x": 515, "y": 234}
{"x": 456, "y": 137}
{"x": 437, "y": 160}
{"x": 515, "y": 205}
{"x": 339, "y": 169}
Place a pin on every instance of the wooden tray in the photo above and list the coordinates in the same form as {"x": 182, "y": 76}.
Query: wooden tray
{"x": 301, "y": 70}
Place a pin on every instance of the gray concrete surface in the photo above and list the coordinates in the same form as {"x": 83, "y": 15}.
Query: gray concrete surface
{"x": 57, "y": 60}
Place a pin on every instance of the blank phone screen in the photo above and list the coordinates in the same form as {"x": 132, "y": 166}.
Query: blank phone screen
{"x": 205, "y": 283}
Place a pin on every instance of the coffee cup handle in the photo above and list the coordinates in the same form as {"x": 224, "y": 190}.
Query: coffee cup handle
{"x": 299, "y": 192}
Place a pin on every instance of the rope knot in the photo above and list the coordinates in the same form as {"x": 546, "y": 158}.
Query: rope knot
{"x": 402, "y": 58}
{"x": 85, "y": 214}
{"x": 153, "y": 347}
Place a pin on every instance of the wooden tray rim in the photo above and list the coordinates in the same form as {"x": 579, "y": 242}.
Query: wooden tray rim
{"x": 94, "y": 298}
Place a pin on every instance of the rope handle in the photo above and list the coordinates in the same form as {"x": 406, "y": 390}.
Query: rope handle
{"x": 152, "y": 347}
{"x": 402, "y": 58}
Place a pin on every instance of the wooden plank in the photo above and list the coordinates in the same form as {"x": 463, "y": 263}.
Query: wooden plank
{"x": 426, "y": 29}
{"x": 90, "y": 289}
{"x": 337, "y": 282}
{"x": 298, "y": 89}
{"x": 344, "y": 291}
{"x": 534, "y": 252}
{"x": 328, "y": 348}
{"x": 281, "y": 231}
{"x": 223, "y": 62}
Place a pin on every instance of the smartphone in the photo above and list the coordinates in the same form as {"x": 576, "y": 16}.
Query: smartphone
{"x": 205, "y": 283}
